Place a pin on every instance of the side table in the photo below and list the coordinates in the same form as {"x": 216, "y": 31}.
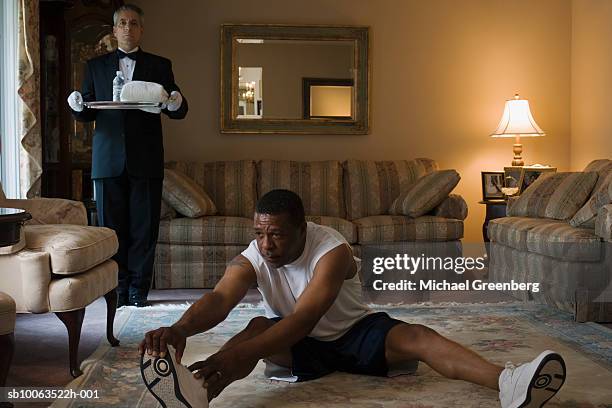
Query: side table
{"x": 495, "y": 209}
{"x": 11, "y": 220}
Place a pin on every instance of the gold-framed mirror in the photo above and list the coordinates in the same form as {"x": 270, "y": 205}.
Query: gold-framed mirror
{"x": 306, "y": 79}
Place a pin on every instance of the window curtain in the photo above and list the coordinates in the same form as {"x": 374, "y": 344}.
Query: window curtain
{"x": 30, "y": 157}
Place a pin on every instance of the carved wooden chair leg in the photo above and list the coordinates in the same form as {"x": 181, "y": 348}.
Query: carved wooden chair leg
{"x": 7, "y": 345}
{"x": 111, "y": 308}
{"x": 73, "y": 321}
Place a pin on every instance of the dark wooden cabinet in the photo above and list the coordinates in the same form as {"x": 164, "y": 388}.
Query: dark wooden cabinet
{"x": 71, "y": 32}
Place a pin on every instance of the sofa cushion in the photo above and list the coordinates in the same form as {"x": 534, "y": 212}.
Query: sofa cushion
{"x": 394, "y": 228}
{"x": 72, "y": 248}
{"x": 77, "y": 291}
{"x": 344, "y": 227}
{"x": 206, "y": 230}
{"x": 453, "y": 206}
{"x": 600, "y": 197}
{"x": 192, "y": 266}
{"x": 554, "y": 195}
{"x": 425, "y": 194}
{"x": 371, "y": 186}
{"x": 560, "y": 240}
{"x": 547, "y": 237}
{"x": 512, "y": 231}
{"x": 186, "y": 196}
{"x": 318, "y": 183}
{"x": 230, "y": 184}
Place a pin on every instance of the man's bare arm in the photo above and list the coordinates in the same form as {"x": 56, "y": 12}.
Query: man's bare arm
{"x": 212, "y": 308}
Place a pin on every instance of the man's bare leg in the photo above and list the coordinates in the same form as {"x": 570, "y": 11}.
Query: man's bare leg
{"x": 407, "y": 342}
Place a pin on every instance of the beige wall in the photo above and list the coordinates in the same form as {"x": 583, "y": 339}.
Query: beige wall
{"x": 442, "y": 70}
{"x": 591, "y": 87}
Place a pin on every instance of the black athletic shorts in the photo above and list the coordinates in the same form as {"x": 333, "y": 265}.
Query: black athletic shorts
{"x": 361, "y": 350}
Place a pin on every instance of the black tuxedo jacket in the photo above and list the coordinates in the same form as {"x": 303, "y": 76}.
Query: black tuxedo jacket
{"x": 129, "y": 139}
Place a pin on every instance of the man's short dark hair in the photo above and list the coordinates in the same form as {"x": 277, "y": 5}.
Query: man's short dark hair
{"x": 130, "y": 7}
{"x": 282, "y": 202}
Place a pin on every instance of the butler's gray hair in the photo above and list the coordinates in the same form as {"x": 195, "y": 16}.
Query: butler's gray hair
{"x": 130, "y": 7}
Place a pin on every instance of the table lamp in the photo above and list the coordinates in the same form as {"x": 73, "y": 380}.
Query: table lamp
{"x": 516, "y": 122}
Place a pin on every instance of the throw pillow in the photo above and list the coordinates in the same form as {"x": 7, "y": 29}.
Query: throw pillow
{"x": 554, "y": 195}
{"x": 585, "y": 217}
{"x": 186, "y": 196}
{"x": 166, "y": 211}
{"x": 425, "y": 194}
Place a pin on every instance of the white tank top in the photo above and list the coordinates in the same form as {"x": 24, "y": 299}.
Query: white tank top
{"x": 281, "y": 287}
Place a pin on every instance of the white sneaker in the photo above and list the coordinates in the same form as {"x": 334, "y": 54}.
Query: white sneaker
{"x": 531, "y": 385}
{"x": 171, "y": 383}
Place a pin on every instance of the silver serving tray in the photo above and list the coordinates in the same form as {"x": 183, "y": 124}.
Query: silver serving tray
{"x": 121, "y": 105}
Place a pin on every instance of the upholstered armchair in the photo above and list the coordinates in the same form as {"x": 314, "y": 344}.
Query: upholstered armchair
{"x": 7, "y": 340}
{"x": 60, "y": 265}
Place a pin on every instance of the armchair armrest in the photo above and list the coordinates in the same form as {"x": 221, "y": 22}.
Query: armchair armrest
{"x": 603, "y": 223}
{"x": 25, "y": 276}
{"x": 50, "y": 210}
{"x": 453, "y": 207}
{"x": 35, "y": 276}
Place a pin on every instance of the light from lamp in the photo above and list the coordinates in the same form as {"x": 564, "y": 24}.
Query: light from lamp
{"x": 517, "y": 121}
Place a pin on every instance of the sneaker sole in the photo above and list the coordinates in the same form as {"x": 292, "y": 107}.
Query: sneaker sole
{"x": 546, "y": 381}
{"x": 159, "y": 375}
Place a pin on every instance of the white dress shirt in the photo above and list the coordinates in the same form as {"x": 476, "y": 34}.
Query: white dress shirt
{"x": 127, "y": 65}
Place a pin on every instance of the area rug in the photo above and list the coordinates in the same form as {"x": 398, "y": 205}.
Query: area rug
{"x": 511, "y": 332}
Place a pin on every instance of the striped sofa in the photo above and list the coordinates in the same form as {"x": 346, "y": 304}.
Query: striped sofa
{"x": 351, "y": 196}
{"x": 572, "y": 260}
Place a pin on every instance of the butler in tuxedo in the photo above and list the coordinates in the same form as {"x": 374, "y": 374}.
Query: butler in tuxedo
{"x": 128, "y": 153}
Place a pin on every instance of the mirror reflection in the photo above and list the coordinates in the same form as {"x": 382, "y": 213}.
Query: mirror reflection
{"x": 304, "y": 79}
{"x": 295, "y": 79}
{"x": 250, "y": 102}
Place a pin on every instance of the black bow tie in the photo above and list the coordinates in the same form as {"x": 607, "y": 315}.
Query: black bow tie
{"x": 131, "y": 55}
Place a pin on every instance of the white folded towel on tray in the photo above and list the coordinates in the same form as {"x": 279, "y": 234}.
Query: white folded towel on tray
{"x": 142, "y": 91}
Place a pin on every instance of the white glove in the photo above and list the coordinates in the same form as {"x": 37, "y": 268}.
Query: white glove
{"x": 175, "y": 101}
{"x": 75, "y": 101}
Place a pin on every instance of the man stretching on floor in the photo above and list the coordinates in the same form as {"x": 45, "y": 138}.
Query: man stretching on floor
{"x": 316, "y": 322}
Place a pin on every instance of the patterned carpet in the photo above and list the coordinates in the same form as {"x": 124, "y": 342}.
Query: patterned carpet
{"x": 501, "y": 333}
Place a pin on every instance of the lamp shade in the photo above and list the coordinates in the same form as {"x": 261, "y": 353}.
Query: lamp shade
{"x": 517, "y": 120}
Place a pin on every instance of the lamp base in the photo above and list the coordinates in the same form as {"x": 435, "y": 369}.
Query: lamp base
{"x": 517, "y": 148}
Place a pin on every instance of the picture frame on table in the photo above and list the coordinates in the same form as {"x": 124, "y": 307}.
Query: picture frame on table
{"x": 512, "y": 176}
{"x": 529, "y": 174}
{"x": 492, "y": 184}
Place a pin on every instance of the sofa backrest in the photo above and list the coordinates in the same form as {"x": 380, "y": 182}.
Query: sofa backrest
{"x": 230, "y": 184}
{"x": 603, "y": 167}
{"x": 371, "y": 186}
{"x": 351, "y": 189}
{"x": 318, "y": 183}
